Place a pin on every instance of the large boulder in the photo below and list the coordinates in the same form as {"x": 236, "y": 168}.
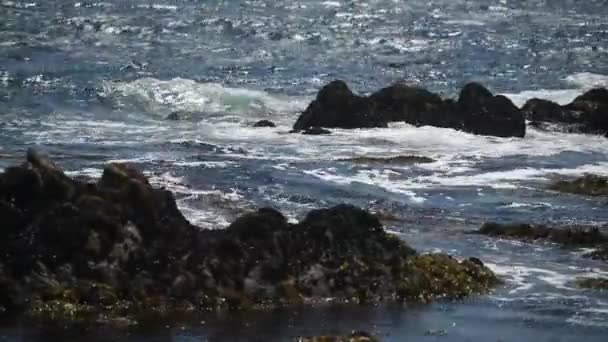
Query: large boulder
{"x": 588, "y": 113}
{"x": 81, "y": 250}
{"x": 477, "y": 110}
{"x": 486, "y": 114}
{"x": 337, "y": 106}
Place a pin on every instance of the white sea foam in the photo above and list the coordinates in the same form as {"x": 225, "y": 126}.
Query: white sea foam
{"x": 191, "y": 96}
{"x": 581, "y": 82}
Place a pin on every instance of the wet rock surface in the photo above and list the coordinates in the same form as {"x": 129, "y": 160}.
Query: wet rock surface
{"x": 601, "y": 253}
{"x": 476, "y": 111}
{"x": 316, "y": 131}
{"x": 264, "y": 123}
{"x": 588, "y": 185}
{"x": 567, "y": 237}
{"x": 77, "y": 250}
{"x": 588, "y": 113}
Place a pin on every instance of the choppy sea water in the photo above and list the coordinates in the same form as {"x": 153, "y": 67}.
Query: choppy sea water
{"x": 89, "y": 82}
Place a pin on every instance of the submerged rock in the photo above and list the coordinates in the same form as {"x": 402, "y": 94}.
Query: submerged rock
{"x": 593, "y": 283}
{"x": 264, "y": 123}
{"x": 588, "y": 113}
{"x": 337, "y": 106}
{"x": 177, "y": 116}
{"x": 397, "y": 160}
{"x": 589, "y": 185}
{"x": 477, "y": 110}
{"x": 78, "y": 251}
{"x": 566, "y": 237}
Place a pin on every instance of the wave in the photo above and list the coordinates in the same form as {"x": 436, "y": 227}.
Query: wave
{"x": 581, "y": 81}
{"x": 179, "y": 94}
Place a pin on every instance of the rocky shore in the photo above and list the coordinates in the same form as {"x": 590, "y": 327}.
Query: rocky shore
{"x": 85, "y": 250}
{"x": 476, "y": 110}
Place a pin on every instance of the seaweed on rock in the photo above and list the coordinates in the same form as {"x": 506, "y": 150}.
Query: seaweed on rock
{"x": 79, "y": 251}
{"x": 589, "y": 185}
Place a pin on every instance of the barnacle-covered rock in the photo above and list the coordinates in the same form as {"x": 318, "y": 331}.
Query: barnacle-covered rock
{"x": 78, "y": 251}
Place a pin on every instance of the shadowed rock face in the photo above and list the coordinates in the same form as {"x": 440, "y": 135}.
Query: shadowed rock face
{"x": 76, "y": 250}
{"x": 588, "y": 113}
{"x": 477, "y": 110}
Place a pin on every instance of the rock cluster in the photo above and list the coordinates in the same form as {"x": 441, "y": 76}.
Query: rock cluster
{"x": 80, "y": 250}
{"x": 476, "y": 111}
{"x": 588, "y": 113}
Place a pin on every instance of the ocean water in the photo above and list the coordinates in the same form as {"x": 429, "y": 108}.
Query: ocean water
{"x": 90, "y": 82}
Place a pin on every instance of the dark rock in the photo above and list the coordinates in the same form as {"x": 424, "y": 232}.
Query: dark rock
{"x": 477, "y": 110}
{"x": 178, "y": 116}
{"x": 337, "y": 106}
{"x": 316, "y": 131}
{"x": 78, "y": 251}
{"x": 566, "y": 237}
{"x": 588, "y": 113}
{"x": 589, "y": 185}
{"x": 173, "y": 117}
{"x": 264, "y": 123}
